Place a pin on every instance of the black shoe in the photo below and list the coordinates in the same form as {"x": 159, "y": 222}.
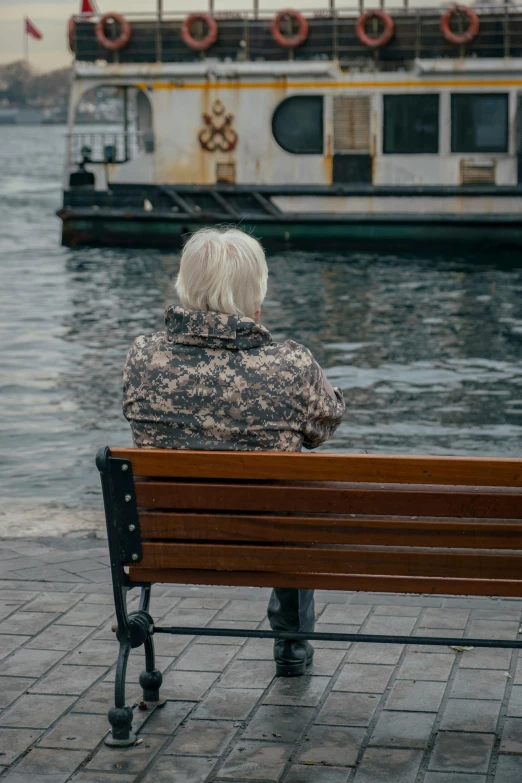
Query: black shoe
{"x": 292, "y": 657}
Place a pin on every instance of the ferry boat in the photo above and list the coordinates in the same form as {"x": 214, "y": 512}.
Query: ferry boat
{"x": 342, "y": 124}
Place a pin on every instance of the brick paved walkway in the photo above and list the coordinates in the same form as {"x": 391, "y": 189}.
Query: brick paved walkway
{"x": 365, "y": 714}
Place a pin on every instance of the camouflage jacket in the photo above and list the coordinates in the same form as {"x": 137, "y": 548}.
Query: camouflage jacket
{"x": 216, "y": 381}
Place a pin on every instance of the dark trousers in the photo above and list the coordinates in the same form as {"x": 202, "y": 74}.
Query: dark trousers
{"x": 291, "y": 610}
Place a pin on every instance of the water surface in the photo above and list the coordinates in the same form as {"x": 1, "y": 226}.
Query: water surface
{"x": 427, "y": 348}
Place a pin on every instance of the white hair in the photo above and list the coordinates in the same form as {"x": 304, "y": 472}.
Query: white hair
{"x": 223, "y": 270}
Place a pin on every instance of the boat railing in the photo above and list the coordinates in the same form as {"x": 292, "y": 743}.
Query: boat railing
{"x": 331, "y": 36}
{"x": 327, "y": 10}
{"x": 109, "y": 146}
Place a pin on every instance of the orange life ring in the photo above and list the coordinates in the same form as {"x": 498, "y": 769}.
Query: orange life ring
{"x": 294, "y": 40}
{"x": 200, "y": 45}
{"x": 382, "y": 39}
{"x": 460, "y": 38}
{"x": 124, "y": 36}
{"x": 71, "y": 34}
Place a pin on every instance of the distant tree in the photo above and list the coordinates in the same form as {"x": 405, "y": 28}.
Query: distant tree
{"x": 50, "y": 88}
{"x": 21, "y": 84}
{"x": 16, "y": 77}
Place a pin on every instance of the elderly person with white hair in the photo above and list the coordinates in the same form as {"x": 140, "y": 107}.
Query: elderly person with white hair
{"x": 215, "y": 379}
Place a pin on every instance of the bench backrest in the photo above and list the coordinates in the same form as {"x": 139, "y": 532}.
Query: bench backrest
{"x": 349, "y": 522}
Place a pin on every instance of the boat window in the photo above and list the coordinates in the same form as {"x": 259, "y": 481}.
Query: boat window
{"x": 411, "y": 124}
{"x": 479, "y": 122}
{"x": 297, "y": 125}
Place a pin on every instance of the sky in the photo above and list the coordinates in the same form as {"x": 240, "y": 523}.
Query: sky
{"x": 50, "y": 16}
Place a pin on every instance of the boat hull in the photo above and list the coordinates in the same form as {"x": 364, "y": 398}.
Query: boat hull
{"x": 138, "y": 231}
{"x": 163, "y": 216}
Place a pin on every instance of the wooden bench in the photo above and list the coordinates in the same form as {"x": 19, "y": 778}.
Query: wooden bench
{"x": 445, "y": 525}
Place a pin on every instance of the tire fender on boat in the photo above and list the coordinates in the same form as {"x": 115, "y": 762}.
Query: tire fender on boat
{"x": 294, "y": 40}
{"x": 382, "y": 39}
{"x": 199, "y": 44}
{"x": 124, "y": 36}
{"x": 460, "y": 38}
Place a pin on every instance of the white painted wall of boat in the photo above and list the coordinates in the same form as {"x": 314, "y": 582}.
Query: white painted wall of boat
{"x": 252, "y": 91}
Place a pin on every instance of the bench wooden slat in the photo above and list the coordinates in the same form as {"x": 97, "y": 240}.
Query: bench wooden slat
{"x": 398, "y": 500}
{"x": 369, "y": 583}
{"x": 328, "y": 467}
{"x": 491, "y": 534}
{"x": 364, "y": 560}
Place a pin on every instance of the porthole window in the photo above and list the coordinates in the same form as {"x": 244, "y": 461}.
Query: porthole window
{"x": 411, "y": 124}
{"x": 297, "y": 125}
{"x": 479, "y": 122}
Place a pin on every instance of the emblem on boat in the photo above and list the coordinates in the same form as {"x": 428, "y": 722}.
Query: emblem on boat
{"x": 218, "y": 133}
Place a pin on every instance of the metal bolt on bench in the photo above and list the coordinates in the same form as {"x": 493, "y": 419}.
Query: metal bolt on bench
{"x": 444, "y": 525}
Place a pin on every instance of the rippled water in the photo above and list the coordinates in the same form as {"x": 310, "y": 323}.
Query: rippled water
{"x": 427, "y": 348}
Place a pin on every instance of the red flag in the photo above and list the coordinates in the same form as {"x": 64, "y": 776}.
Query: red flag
{"x": 33, "y": 31}
{"x": 89, "y": 7}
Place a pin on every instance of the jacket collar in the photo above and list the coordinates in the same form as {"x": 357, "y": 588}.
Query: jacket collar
{"x": 209, "y": 329}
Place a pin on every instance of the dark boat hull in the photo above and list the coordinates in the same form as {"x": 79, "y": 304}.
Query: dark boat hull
{"x": 163, "y": 216}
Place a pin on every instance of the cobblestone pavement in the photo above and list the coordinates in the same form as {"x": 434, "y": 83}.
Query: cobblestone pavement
{"x": 365, "y": 713}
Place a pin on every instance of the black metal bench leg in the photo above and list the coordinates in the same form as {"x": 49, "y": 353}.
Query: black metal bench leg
{"x": 151, "y": 678}
{"x": 145, "y": 597}
{"x": 120, "y": 716}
